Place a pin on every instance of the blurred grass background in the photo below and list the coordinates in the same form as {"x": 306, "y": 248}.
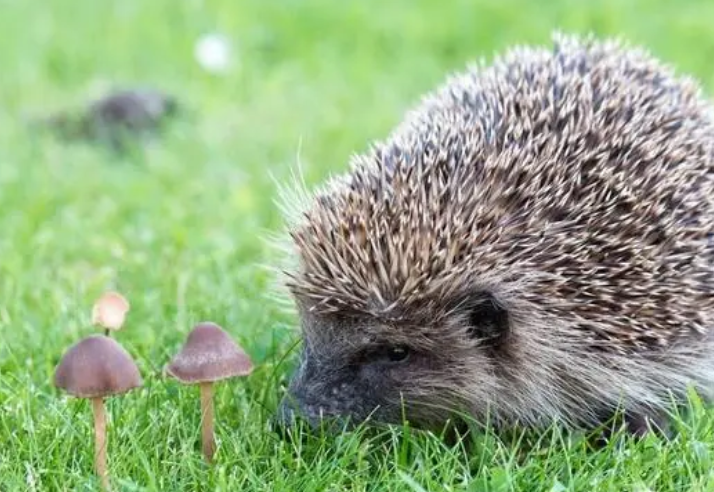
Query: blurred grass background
{"x": 177, "y": 228}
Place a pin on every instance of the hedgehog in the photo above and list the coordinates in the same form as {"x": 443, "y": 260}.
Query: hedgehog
{"x": 115, "y": 117}
{"x": 530, "y": 245}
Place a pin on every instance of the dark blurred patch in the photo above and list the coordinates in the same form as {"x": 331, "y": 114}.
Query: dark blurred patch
{"x": 120, "y": 119}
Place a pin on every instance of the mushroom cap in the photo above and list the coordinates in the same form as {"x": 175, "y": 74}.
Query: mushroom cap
{"x": 97, "y": 366}
{"x": 208, "y": 355}
{"x": 110, "y": 311}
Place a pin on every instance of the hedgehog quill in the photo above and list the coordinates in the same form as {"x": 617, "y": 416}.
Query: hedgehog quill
{"x": 531, "y": 244}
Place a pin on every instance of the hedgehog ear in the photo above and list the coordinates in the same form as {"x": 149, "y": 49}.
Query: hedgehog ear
{"x": 488, "y": 320}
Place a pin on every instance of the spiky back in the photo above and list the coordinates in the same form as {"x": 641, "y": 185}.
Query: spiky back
{"x": 582, "y": 174}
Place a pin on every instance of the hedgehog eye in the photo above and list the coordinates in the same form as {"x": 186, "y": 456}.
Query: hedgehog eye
{"x": 488, "y": 321}
{"x": 383, "y": 354}
{"x": 399, "y": 353}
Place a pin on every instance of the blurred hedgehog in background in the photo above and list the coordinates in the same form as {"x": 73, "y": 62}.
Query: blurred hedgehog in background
{"x": 117, "y": 118}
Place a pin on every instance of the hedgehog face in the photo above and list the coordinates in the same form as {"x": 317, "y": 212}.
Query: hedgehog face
{"x": 358, "y": 368}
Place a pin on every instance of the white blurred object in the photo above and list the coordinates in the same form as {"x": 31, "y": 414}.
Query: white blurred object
{"x": 213, "y": 53}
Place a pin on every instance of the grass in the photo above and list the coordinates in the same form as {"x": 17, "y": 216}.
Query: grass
{"x": 177, "y": 229}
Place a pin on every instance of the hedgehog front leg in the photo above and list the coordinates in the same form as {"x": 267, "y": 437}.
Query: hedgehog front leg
{"x": 640, "y": 424}
{"x": 634, "y": 423}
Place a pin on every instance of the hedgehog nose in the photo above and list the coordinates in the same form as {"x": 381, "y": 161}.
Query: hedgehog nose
{"x": 285, "y": 415}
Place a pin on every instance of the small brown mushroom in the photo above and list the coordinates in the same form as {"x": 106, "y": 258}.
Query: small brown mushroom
{"x": 94, "y": 368}
{"x": 209, "y": 355}
{"x": 110, "y": 311}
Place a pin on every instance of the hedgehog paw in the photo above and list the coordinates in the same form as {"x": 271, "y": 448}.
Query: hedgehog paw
{"x": 639, "y": 424}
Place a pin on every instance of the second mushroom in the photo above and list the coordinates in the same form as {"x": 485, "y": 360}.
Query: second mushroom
{"x": 209, "y": 355}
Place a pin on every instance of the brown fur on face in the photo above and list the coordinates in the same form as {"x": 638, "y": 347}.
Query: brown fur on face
{"x": 536, "y": 234}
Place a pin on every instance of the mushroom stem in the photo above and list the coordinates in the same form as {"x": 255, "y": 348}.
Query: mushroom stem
{"x": 209, "y": 445}
{"x": 100, "y": 441}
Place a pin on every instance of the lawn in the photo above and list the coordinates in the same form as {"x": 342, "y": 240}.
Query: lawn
{"x": 180, "y": 229}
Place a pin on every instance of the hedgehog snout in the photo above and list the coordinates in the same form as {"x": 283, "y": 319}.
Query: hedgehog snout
{"x": 323, "y": 389}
